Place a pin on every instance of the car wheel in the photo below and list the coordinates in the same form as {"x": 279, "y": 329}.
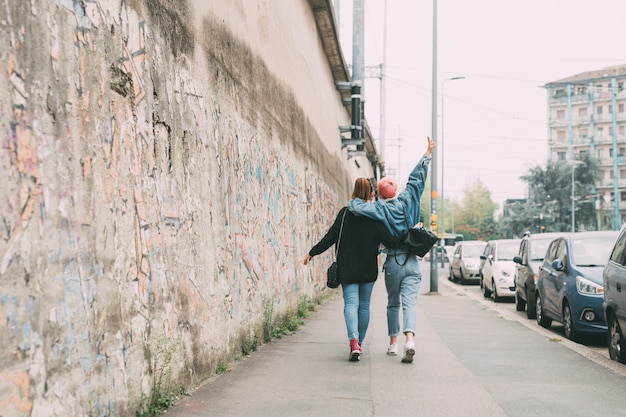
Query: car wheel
{"x": 616, "y": 342}
{"x": 486, "y": 292}
{"x": 568, "y": 322}
{"x": 520, "y": 303}
{"x": 496, "y": 297}
{"x": 541, "y": 319}
{"x": 531, "y": 305}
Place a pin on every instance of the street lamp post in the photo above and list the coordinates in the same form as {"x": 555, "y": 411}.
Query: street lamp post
{"x": 443, "y": 224}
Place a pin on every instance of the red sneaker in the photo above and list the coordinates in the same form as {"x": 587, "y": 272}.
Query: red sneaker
{"x": 355, "y": 351}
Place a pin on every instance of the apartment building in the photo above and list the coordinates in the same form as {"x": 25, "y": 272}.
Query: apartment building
{"x": 587, "y": 114}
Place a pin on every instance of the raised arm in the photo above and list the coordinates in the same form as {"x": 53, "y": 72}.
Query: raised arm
{"x": 417, "y": 178}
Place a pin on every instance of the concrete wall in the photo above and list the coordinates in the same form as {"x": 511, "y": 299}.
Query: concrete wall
{"x": 166, "y": 166}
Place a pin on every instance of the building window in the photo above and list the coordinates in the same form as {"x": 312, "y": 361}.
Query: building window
{"x": 583, "y": 133}
{"x": 622, "y": 173}
{"x": 561, "y": 135}
{"x": 622, "y": 151}
{"x": 620, "y": 108}
{"x": 560, "y": 114}
{"x": 611, "y": 174}
{"x": 610, "y": 109}
{"x": 600, "y": 153}
{"x": 622, "y": 130}
{"x": 611, "y": 154}
{"x": 582, "y": 112}
{"x": 599, "y": 110}
{"x": 622, "y": 196}
{"x": 561, "y": 156}
{"x": 600, "y": 132}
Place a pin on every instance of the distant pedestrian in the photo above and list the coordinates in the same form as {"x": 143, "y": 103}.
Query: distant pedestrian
{"x": 357, "y": 260}
{"x": 402, "y": 271}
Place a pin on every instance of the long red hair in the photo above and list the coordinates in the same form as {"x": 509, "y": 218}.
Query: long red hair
{"x": 362, "y": 189}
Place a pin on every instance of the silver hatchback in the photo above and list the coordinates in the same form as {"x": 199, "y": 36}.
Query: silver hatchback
{"x": 465, "y": 263}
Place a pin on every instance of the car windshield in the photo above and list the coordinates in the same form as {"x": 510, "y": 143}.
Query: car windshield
{"x": 538, "y": 248}
{"x": 506, "y": 251}
{"x": 591, "y": 251}
{"x": 473, "y": 251}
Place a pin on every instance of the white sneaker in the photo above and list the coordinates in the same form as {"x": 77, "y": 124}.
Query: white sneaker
{"x": 409, "y": 352}
{"x": 392, "y": 349}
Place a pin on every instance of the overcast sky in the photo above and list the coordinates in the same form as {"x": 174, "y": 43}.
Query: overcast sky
{"x": 495, "y": 120}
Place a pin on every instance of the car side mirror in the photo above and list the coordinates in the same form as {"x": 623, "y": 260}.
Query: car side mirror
{"x": 483, "y": 257}
{"x": 558, "y": 265}
{"x": 517, "y": 259}
{"x": 457, "y": 256}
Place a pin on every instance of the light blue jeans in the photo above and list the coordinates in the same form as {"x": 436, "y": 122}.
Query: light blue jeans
{"x": 403, "y": 284}
{"x": 356, "y": 309}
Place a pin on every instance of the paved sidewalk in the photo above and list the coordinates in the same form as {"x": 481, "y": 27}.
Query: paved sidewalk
{"x": 469, "y": 362}
{"x": 308, "y": 374}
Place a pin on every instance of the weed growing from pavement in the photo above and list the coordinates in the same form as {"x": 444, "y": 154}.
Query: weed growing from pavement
{"x": 276, "y": 326}
{"x": 160, "y": 397}
{"x": 554, "y": 339}
{"x": 222, "y": 368}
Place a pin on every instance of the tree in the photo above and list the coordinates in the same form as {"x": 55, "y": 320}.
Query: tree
{"x": 550, "y": 204}
{"x": 474, "y": 215}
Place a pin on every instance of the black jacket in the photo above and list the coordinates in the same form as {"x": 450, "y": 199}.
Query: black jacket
{"x": 358, "y": 247}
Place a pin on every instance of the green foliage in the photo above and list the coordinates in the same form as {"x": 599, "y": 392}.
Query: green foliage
{"x": 474, "y": 216}
{"x": 305, "y": 306}
{"x": 268, "y": 319}
{"x": 276, "y": 326}
{"x": 160, "y": 397}
{"x": 549, "y": 206}
{"x": 250, "y": 344}
{"x": 222, "y": 368}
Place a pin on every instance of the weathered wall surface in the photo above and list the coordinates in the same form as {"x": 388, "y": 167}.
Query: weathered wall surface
{"x": 166, "y": 165}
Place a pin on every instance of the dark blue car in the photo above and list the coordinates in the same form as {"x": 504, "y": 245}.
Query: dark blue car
{"x": 569, "y": 288}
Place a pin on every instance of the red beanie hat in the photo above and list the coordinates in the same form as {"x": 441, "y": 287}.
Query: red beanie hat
{"x": 387, "y": 187}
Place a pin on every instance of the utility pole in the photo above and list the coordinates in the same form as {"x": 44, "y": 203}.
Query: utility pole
{"x": 383, "y": 91}
{"x": 358, "y": 40}
{"x": 434, "y": 284}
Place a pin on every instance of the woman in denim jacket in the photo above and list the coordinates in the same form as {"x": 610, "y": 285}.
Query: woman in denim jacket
{"x": 357, "y": 261}
{"x": 402, "y": 272}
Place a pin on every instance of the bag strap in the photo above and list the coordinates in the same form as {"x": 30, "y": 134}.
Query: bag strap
{"x": 340, "y": 231}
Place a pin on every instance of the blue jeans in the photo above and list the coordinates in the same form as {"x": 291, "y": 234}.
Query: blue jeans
{"x": 356, "y": 309}
{"x": 403, "y": 284}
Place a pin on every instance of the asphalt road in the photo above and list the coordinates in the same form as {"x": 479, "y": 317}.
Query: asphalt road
{"x": 473, "y": 357}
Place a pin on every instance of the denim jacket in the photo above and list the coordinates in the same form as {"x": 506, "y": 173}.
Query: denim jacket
{"x": 391, "y": 212}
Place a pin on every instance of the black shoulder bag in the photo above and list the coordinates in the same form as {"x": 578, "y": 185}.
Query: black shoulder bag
{"x": 332, "y": 274}
{"x": 417, "y": 240}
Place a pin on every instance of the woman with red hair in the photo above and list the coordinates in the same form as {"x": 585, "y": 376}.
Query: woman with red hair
{"x": 357, "y": 241}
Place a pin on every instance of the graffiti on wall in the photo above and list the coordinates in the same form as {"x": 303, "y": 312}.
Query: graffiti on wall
{"x": 139, "y": 203}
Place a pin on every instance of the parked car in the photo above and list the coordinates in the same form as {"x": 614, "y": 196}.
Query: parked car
{"x": 570, "y": 288}
{"x": 465, "y": 262}
{"x": 614, "y": 280}
{"x": 440, "y": 252}
{"x": 498, "y": 269}
{"x": 532, "y": 250}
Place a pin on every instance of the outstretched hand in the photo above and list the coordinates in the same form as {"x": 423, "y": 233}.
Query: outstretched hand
{"x": 431, "y": 146}
{"x": 307, "y": 258}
